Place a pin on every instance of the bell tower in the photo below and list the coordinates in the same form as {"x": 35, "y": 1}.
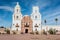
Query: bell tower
{"x": 36, "y": 17}
{"x": 17, "y": 8}
{"x": 16, "y": 17}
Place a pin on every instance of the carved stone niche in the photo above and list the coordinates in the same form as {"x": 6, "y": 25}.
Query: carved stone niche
{"x": 26, "y": 24}
{"x": 17, "y": 25}
{"x": 36, "y": 25}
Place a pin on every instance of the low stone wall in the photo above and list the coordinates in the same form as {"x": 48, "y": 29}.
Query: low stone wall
{"x": 47, "y": 27}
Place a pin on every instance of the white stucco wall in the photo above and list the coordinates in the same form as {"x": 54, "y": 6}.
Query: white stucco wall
{"x": 57, "y": 27}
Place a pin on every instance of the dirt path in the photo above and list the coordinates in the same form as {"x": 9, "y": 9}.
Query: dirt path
{"x": 29, "y": 37}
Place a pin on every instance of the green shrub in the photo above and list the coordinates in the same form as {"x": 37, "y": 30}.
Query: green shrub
{"x": 52, "y": 31}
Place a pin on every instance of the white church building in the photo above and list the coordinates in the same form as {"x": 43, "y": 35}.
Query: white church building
{"x": 26, "y": 23}
{"x": 30, "y": 23}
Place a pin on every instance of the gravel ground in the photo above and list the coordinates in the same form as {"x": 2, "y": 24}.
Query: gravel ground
{"x": 29, "y": 37}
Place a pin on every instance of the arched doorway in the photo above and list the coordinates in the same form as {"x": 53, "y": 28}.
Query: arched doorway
{"x": 26, "y": 30}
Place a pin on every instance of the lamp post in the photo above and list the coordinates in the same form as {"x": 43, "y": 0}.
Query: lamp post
{"x": 41, "y": 28}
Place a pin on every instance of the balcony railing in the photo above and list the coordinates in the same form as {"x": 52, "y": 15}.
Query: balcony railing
{"x": 36, "y": 26}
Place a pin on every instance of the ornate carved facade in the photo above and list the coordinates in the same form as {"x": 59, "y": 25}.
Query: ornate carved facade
{"x": 26, "y": 24}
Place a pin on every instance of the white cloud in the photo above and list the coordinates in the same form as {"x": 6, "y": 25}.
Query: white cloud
{"x": 6, "y": 8}
{"x": 52, "y": 12}
{"x": 52, "y": 20}
{"x": 50, "y": 17}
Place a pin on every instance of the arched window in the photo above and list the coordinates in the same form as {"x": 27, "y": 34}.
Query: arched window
{"x": 35, "y": 29}
{"x": 13, "y": 24}
{"x": 16, "y": 29}
{"x": 36, "y": 11}
{"x": 17, "y": 17}
{"x": 17, "y": 10}
{"x": 35, "y": 17}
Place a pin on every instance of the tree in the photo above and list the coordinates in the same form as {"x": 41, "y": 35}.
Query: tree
{"x": 2, "y": 27}
{"x": 56, "y": 20}
{"x": 45, "y": 22}
{"x": 45, "y": 25}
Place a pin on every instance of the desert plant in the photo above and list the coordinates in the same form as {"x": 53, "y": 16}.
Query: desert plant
{"x": 14, "y": 32}
{"x": 31, "y": 32}
{"x": 7, "y": 31}
{"x": 22, "y": 33}
{"x": 0, "y": 32}
{"x": 56, "y": 30}
{"x": 44, "y": 32}
{"x": 52, "y": 31}
{"x": 37, "y": 32}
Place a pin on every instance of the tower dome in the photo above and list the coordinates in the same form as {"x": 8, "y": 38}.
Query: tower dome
{"x": 35, "y": 9}
{"x": 17, "y": 5}
{"x": 17, "y": 8}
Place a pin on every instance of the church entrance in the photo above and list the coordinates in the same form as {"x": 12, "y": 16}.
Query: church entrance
{"x": 26, "y": 24}
{"x": 26, "y": 30}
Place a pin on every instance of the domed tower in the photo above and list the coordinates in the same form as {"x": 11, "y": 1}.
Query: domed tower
{"x": 36, "y": 17}
{"x": 16, "y": 18}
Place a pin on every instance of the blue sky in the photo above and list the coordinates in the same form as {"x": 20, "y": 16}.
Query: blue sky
{"x": 49, "y": 9}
